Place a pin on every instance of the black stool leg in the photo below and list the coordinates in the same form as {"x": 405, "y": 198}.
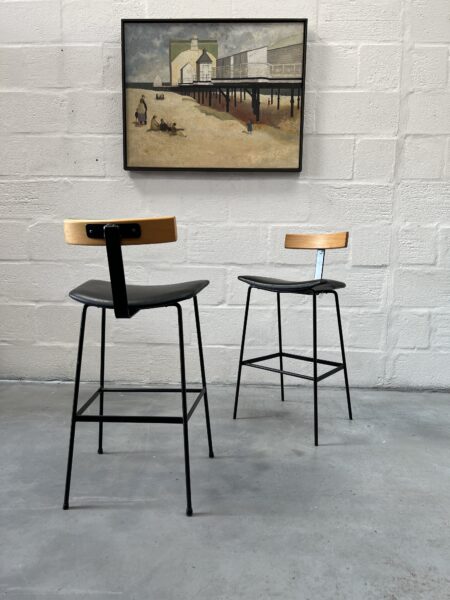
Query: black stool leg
{"x": 74, "y": 408}
{"x": 316, "y": 418}
{"x": 238, "y": 383}
{"x": 102, "y": 382}
{"x": 184, "y": 409}
{"x": 280, "y": 346}
{"x": 202, "y": 370}
{"x": 341, "y": 338}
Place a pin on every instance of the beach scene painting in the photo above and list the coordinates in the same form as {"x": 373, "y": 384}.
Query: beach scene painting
{"x": 220, "y": 95}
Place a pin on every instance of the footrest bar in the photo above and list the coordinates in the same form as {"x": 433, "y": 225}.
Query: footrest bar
{"x": 127, "y": 419}
{"x": 158, "y": 390}
{"x": 247, "y": 364}
{"x": 320, "y": 361}
{"x": 250, "y": 361}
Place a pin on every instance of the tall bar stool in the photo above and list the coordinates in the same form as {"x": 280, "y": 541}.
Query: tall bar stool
{"x": 314, "y": 287}
{"x": 127, "y": 300}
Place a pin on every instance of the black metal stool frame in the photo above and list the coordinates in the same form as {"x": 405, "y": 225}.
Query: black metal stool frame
{"x": 112, "y": 235}
{"x": 315, "y": 378}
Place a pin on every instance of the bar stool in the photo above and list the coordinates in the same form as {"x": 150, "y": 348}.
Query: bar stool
{"x": 126, "y": 301}
{"x": 315, "y": 287}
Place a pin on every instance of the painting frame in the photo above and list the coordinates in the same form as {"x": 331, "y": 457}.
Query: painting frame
{"x": 303, "y": 22}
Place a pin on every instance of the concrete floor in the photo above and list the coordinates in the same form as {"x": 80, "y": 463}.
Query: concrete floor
{"x": 364, "y": 516}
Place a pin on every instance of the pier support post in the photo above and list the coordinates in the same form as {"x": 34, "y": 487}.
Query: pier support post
{"x": 256, "y": 103}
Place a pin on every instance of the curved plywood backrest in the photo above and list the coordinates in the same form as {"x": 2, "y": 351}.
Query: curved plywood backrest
{"x": 316, "y": 241}
{"x": 149, "y": 230}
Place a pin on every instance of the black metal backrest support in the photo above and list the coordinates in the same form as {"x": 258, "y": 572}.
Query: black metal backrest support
{"x": 112, "y": 236}
{"x": 320, "y": 262}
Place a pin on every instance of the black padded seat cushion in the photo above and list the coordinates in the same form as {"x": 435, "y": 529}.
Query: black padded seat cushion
{"x": 271, "y": 284}
{"x": 98, "y": 293}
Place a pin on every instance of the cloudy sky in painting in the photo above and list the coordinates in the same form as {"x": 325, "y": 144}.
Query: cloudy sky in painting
{"x": 147, "y": 44}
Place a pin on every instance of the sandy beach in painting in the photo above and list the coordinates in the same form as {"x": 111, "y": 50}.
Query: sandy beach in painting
{"x": 210, "y": 136}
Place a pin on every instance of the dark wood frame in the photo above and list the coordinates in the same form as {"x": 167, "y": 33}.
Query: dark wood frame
{"x": 217, "y": 169}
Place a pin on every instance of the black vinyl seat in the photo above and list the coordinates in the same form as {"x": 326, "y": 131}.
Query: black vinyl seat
{"x": 99, "y": 293}
{"x": 270, "y": 284}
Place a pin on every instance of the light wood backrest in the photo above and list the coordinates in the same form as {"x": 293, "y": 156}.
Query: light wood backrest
{"x": 153, "y": 230}
{"x": 316, "y": 241}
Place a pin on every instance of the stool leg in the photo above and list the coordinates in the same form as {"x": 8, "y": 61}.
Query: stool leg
{"x": 280, "y": 346}
{"x": 102, "y": 382}
{"x": 74, "y": 408}
{"x": 184, "y": 409}
{"x": 341, "y": 338}
{"x": 202, "y": 370}
{"x": 316, "y": 417}
{"x": 238, "y": 383}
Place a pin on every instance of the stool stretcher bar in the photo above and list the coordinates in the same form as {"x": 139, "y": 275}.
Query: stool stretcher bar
{"x": 251, "y": 362}
{"x": 138, "y": 419}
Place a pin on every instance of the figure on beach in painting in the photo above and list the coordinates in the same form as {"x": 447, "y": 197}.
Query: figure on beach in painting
{"x": 174, "y": 130}
{"x": 141, "y": 111}
{"x": 161, "y": 125}
{"x": 154, "y": 124}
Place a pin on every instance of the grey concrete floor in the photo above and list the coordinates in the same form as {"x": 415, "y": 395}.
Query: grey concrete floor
{"x": 364, "y": 516}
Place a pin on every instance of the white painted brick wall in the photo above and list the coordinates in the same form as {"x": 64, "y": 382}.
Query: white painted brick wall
{"x": 428, "y": 67}
{"x": 377, "y": 161}
{"x": 412, "y": 165}
{"x": 429, "y": 20}
{"x": 429, "y": 112}
{"x": 379, "y": 66}
{"x": 364, "y": 254}
{"x": 410, "y": 329}
{"x": 375, "y": 158}
{"x": 377, "y": 20}
{"x": 417, "y": 245}
{"x": 369, "y": 112}
{"x": 332, "y": 65}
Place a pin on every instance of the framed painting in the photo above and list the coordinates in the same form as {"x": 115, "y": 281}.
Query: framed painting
{"x": 221, "y": 95}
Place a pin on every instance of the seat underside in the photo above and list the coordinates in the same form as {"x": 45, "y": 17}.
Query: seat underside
{"x": 99, "y": 293}
{"x": 271, "y": 284}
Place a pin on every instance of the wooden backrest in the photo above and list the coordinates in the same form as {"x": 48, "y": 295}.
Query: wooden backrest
{"x": 149, "y": 230}
{"x": 114, "y": 233}
{"x": 316, "y": 241}
{"x": 319, "y": 242}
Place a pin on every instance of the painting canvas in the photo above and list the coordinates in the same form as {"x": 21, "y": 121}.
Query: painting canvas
{"x": 213, "y": 94}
